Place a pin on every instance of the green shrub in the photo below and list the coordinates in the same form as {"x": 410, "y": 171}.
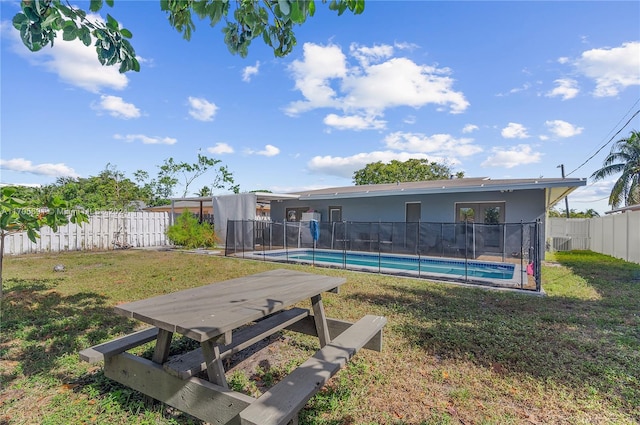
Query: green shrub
{"x": 190, "y": 233}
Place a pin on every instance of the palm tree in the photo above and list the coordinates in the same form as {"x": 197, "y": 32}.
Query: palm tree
{"x": 624, "y": 158}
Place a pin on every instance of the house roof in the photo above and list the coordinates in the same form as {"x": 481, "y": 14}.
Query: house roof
{"x": 635, "y": 207}
{"x": 558, "y": 188}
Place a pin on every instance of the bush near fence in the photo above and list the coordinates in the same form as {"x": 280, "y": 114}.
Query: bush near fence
{"x": 105, "y": 231}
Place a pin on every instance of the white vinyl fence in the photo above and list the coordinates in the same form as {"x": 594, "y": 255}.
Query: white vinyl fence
{"x": 105, "y": 230}
{"x": 617, "y": 235}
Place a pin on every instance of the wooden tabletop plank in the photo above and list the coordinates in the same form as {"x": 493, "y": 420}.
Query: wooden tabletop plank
{"x": 205, "y": 312}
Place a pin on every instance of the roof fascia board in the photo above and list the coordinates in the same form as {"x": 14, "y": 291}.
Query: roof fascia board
{"x": 571, "y": 186}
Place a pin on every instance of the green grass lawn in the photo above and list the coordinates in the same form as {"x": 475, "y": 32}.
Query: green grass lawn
{"x": 452, "y": 354}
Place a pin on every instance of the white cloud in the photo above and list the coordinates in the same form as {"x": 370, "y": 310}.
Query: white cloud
{"x": 514, "y": 131}
{"x": 411, "y": 119}
{"x": 269, "y": 150}
{"x": 563, "y": 129}
{"x": 146, "y": 140}
{"x": 117, "y": 107}
{"x": 73, "y": 62}
{"x": 365, "y": 55}
{"x": 612, "y": 69}
{"x": 354, "y": 122}
{"x": 202, "y": 109}
{"x": 346, "y": 166}
{"x": 469, "y": 128}
{"x": 566, "y": 88}
{"x": 401, "y": 82}
{"x": 313, "y": 77}
{"x": 220, "y": 148}
{"x": 25, "y": 166}
{"x": 512, "y": 157}
{"x": 593, "y": 192}
{"x": 250, "y": 71}
{"x": 524, "y": 87}
{"x": 441, "y": 145}
{"x": 326, "y": 80}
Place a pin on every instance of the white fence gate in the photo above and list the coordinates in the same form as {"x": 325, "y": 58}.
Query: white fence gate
{"x": 617, "y": 235}
{"x": 105, "y": 230}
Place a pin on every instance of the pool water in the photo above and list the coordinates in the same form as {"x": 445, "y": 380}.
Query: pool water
{"x": 426, "y": 265}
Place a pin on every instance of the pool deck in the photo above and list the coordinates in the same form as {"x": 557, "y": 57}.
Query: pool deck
{"x": 520, "y": 280}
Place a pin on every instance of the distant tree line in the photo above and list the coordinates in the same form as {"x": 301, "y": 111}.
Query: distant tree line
{"x": 111, "y": 189}
{"x": 589, "y": 213}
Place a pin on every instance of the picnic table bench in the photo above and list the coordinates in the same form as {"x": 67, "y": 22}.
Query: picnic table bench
{"x": 225, "y": 318}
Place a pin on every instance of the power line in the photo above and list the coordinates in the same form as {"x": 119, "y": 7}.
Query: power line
{"x": 591, "y": 200}
{"x": 609, "y": 141}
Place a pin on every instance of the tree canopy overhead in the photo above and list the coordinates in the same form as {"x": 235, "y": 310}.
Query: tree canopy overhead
{"x": 412, "y": 170}
{"x": 40, "y": 21}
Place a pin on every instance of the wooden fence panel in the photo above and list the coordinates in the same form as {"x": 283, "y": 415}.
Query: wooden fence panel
{"x": 105, "y": 230}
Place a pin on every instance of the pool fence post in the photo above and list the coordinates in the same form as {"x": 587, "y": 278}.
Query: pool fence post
{"x": 264, "y": 231}
{"x": 242, "y": 230}
{"x": 522, "y": 255}
{"x": 504, "y": 242}
{"x": 418, "y": 248}
{"x": 537, "y": 263}
{"x": 344, "y": 246}
{"x": 466, "y": 250}
{"x": 284, "y": 241}
{"x": 379, "y": 249}
{"x": 473, "y": 237}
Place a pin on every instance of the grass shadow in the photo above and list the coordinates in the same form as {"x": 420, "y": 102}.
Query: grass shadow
{"x": 591, "y": 344}
{"x": 43, "y": 331}
{"x": 40, "y": 326}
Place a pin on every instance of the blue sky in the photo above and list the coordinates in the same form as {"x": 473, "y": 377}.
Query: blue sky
{"x": 495, "y": 89}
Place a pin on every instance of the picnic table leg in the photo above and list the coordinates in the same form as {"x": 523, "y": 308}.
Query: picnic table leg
{"x": 215, "y": 368}
{"x": 320, "y": 320}
{"x": 161, "y": 352}
{"x": 160, "y": 355}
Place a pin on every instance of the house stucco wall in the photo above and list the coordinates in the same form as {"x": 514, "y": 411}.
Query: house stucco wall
{"x": 524, "y": 205}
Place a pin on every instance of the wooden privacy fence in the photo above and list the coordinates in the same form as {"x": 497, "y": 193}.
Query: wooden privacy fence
{"x": 617, "y": 235}
{"x": 105, "y": 230}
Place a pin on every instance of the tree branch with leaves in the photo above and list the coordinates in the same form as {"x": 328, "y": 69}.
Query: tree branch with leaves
{"x": 15, "y": 217}
{"x": 40, "y": 21}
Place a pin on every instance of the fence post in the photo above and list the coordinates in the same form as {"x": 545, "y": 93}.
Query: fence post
{"x": 537, "y": 265}
{"x": 466, "y": 249}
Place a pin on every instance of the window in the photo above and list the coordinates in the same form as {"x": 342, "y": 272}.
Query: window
{"x": 295, "y": 214}
{"x": 412, "y": 212}
{"x": 335, "y": 214}
{"x": 481, "y": 213}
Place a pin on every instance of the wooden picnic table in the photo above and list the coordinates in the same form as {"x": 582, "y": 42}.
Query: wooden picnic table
{"x": 226, "y": 317}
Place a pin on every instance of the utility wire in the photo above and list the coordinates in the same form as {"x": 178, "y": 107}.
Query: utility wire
{"x": 609, "y": 141}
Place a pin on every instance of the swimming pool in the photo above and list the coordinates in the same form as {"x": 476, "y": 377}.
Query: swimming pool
{"x": 496, "y": 273}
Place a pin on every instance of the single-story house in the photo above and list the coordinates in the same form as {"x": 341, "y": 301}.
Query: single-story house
{"x": 469, "y": 200}
{"x": 481, "y": 201}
